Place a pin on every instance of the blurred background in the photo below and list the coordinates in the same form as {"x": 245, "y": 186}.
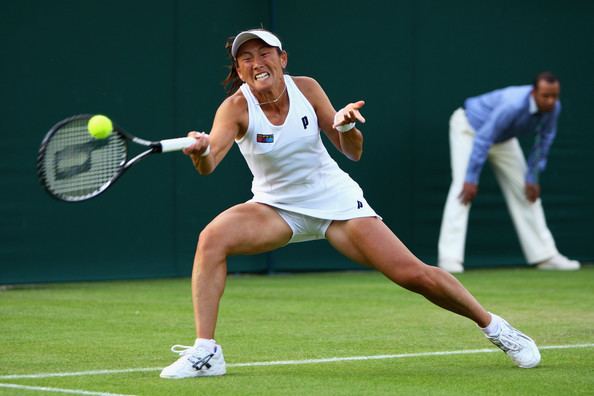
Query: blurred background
{"x": 155, "y": 67}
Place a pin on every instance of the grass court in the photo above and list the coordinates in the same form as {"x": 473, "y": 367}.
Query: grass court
{"x": 343, "y": 333}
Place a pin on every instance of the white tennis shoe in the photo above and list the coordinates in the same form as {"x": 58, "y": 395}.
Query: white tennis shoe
{"x": 518, "y": 346}
{"x": 199, "y": 360}
{"x": 559, "y": 263}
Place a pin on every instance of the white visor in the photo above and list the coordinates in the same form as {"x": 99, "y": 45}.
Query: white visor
{"x": 263, "y": 35}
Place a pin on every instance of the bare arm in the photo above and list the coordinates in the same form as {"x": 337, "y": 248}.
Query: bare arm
{"x": 349, "y": 143}
{"x": 230, "y": 120}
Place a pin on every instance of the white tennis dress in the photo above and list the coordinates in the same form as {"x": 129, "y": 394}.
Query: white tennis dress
{"x": 292, "y": 169}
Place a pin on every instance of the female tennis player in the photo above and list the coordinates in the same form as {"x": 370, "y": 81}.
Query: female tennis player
{"x": 301, "y": 194}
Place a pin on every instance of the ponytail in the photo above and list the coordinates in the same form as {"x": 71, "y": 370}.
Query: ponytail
{"x": 232, "y": 82}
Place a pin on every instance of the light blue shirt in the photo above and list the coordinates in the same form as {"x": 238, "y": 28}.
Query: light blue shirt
{"x": 506, "y": 113}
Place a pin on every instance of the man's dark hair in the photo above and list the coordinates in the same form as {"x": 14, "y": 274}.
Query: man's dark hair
{"x": 546, "y": 76}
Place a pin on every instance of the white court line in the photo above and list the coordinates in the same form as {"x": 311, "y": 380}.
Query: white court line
{"x": 290, "y": 362}
{"x": 59, "y": 390}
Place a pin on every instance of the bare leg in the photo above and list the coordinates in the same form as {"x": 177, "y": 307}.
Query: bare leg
{"x": 248, "y": 228}
{"x": 369, "y": 241}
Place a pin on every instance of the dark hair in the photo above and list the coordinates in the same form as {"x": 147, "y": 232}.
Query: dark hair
{"x": 232, "y": 82}
{"x": 546, "y": 76}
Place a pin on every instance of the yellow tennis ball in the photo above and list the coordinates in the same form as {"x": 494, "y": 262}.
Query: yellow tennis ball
{"x": 100, "y": 127}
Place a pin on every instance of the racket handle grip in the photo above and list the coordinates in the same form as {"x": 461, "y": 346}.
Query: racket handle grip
{"x": 176, "y": 144}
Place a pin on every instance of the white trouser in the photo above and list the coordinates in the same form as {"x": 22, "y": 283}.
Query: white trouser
{"x": 509, "y": 167}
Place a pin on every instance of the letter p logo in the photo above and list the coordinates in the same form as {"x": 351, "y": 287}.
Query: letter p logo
{"x": 305, "y": 122}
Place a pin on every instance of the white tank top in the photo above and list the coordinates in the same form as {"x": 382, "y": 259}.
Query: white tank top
{"x": 292, "y": 169}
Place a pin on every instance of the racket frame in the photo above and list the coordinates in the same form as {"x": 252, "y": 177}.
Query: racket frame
{"x": 154, "y": 147}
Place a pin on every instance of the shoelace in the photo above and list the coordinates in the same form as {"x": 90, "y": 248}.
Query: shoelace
{"x": 198, "y": 362}
{"x": 509, "y": 339}
{"x": 185, "y": 349}
{"x": 181, "y": 349}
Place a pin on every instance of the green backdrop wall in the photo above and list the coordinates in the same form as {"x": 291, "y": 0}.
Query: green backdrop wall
{"x": 155, "y": 67}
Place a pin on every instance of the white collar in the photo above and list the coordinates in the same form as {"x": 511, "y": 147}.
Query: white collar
{"x": 532, "y": 105}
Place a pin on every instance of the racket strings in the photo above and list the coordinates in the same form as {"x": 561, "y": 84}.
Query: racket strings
{"x": 76, "y": 165}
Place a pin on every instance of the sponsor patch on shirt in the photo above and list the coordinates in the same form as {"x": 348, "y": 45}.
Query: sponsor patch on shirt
{"x": 263, "y": 138}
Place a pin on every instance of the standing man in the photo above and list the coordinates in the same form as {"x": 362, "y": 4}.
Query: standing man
{"x": 486, "y": 127}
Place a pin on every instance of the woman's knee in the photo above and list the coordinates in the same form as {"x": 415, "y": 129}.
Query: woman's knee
{"x": 211, "y": 246}
{"x": 416, "y": 278}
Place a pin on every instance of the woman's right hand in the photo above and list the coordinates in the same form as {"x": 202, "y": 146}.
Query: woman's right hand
{"x": 200, "y": 147}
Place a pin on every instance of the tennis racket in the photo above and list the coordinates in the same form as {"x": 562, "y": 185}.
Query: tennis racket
{"x": 73, "y": 166}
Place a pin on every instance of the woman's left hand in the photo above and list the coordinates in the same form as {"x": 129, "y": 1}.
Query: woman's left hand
{"x": 349, "y": 113}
